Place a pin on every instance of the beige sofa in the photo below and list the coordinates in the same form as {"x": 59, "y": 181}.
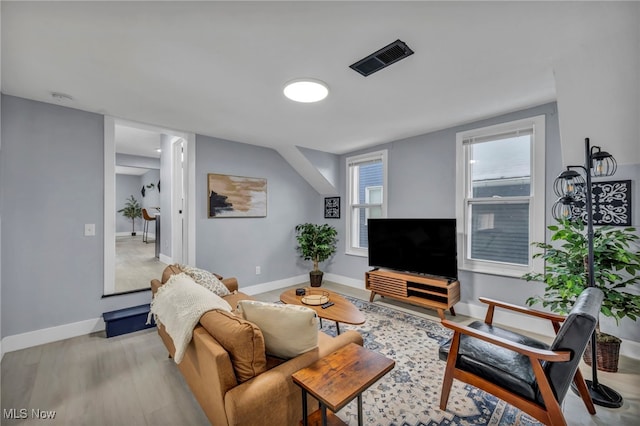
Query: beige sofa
{"x": 228, "y": 372}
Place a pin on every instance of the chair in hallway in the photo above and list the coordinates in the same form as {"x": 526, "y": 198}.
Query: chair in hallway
{"x": 147, "y": 219}
{"x": 522, "y": 371}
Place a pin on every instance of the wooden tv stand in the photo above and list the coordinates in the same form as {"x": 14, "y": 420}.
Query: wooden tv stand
{"x": 429, "y": 292}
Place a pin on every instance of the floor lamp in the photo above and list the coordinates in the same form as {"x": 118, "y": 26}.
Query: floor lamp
{"x": 567, "y": 185}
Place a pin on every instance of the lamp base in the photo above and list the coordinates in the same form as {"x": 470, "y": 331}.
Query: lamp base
{"x": 601, "y": 395}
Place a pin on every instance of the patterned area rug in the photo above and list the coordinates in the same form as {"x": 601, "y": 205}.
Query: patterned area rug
{"x": 409, "y": 395}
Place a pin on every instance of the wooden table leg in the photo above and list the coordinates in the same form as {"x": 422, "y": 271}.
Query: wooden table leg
{"x": 305, "y": 421}
{"x": 373, "y": 294}
{"x": 441, "y": 314}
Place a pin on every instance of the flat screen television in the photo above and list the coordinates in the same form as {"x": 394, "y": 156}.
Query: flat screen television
{"x": 424, "y": 246}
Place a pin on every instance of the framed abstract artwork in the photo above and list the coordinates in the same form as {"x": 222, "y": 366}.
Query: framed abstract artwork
{"x": 332, "y": 208}
{"x": 611, "y": 203}
{"x": 236, "y": 196}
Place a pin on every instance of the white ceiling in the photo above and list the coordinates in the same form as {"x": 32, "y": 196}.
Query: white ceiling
{"x": 136, "y": 141}
{"x": 218, "y": 68}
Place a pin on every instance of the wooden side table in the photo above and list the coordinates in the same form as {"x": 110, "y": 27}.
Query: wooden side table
{"x": 338, "y": 378}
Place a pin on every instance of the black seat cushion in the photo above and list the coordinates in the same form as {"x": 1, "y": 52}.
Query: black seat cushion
{"x": 498, "y": 365}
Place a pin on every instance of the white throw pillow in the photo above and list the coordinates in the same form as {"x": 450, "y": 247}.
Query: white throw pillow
{"x": 206, "y": 279}
{"x": 288, "y": 330}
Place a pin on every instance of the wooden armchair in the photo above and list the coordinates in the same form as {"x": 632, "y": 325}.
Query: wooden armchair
{"x": 522, "y": 371}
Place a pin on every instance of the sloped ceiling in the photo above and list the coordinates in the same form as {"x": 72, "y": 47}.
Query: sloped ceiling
{"x": 218, "y": 68}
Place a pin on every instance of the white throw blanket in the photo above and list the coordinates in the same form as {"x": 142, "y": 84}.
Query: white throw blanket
{"x": 178, "y": 305}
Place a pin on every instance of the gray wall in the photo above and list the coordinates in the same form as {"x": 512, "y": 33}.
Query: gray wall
{"x": 327, "y": 164}
{"x": 151, "y": 197}
{"x": 235, "y": 246}
{"x": 51, "y": 174}
{"x": 126, "y": 186}
{"x": 421, "y": 183}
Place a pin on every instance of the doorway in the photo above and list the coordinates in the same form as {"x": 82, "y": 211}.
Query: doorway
{"x": 151, "y": 154}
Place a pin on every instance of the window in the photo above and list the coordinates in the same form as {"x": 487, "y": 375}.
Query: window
{"x": 366, "y": 197}
{"x": 500, "y": 193}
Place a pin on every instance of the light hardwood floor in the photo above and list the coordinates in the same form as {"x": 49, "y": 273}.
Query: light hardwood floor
{"x": 136, "y": 261}
{"x": 128, "y": 380}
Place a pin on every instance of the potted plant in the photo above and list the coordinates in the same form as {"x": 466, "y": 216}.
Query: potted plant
{"x": 316, "y": 243}
{"x": 616, "y": 266}
{"x": 131, "y": 210}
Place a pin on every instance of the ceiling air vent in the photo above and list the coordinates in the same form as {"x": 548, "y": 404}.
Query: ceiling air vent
{"x": 382, "y": 58}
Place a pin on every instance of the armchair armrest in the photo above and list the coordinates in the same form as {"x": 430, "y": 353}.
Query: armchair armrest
{"x": 554, "y": 318}
{"x": 531, "y": 352}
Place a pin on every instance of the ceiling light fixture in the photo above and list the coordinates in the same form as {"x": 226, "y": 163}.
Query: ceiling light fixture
{"x": 306, "y": 90}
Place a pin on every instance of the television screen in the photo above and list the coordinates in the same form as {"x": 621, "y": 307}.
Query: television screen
{"x": 425, "y": 246}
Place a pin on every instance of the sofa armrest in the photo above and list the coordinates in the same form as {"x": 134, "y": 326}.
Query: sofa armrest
{"x": 155, "y": 285}
{"x": 231, "y": 283}
{"x": 272, "y": 397}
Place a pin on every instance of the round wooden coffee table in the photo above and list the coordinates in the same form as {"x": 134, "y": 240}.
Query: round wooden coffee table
{"x": 341, "y": 311}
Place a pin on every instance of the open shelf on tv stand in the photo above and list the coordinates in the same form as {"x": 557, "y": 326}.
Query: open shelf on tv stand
{"x": 421, "y": 290}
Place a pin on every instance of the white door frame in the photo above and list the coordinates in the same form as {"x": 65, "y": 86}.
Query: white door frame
{"x": 109, "y": 218}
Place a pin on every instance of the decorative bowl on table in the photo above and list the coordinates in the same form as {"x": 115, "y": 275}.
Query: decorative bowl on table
{"x": 315, "y": 297}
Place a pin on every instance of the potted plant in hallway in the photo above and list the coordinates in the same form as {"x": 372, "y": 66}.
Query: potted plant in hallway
{"x": 616, "y": 266}
{"x": 316, "y": 243}
{"x": 131, "y": 210}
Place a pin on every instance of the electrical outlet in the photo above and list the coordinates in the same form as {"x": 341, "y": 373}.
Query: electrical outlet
{"x": 258, "y": 270}
{"x": 89, "y": 229}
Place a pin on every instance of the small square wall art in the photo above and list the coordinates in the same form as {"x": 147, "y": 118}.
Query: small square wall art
{"x": 332, "y": 208}
{"x": 236, "y": 196}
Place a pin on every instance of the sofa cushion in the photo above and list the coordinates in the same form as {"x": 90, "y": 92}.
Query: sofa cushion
{"x": 206, "y": 279}
{"x": 242, "y": 339}
{"x": 289, "y": 330}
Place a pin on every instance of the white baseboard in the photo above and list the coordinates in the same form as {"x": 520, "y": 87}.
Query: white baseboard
{"x": 165, "y": 259}
{"x": 51, "y": 334}
{"x": 341, "y": 279}
{"x": 138, "y": 233}
{"x": 288, "y": 282}
{"x": 16, "y": 342}
{"x": 274, "y": 285}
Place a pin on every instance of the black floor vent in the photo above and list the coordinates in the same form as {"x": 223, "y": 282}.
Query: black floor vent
{"x": 382, "y": 58}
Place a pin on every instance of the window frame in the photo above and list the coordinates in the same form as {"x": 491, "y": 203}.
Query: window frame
{"x": 351, "y": 242}
{"x": 536, "y": 198}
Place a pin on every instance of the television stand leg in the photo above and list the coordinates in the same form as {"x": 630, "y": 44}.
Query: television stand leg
{"x": 453, "y": 313}
{"x": 373, "y": 295}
